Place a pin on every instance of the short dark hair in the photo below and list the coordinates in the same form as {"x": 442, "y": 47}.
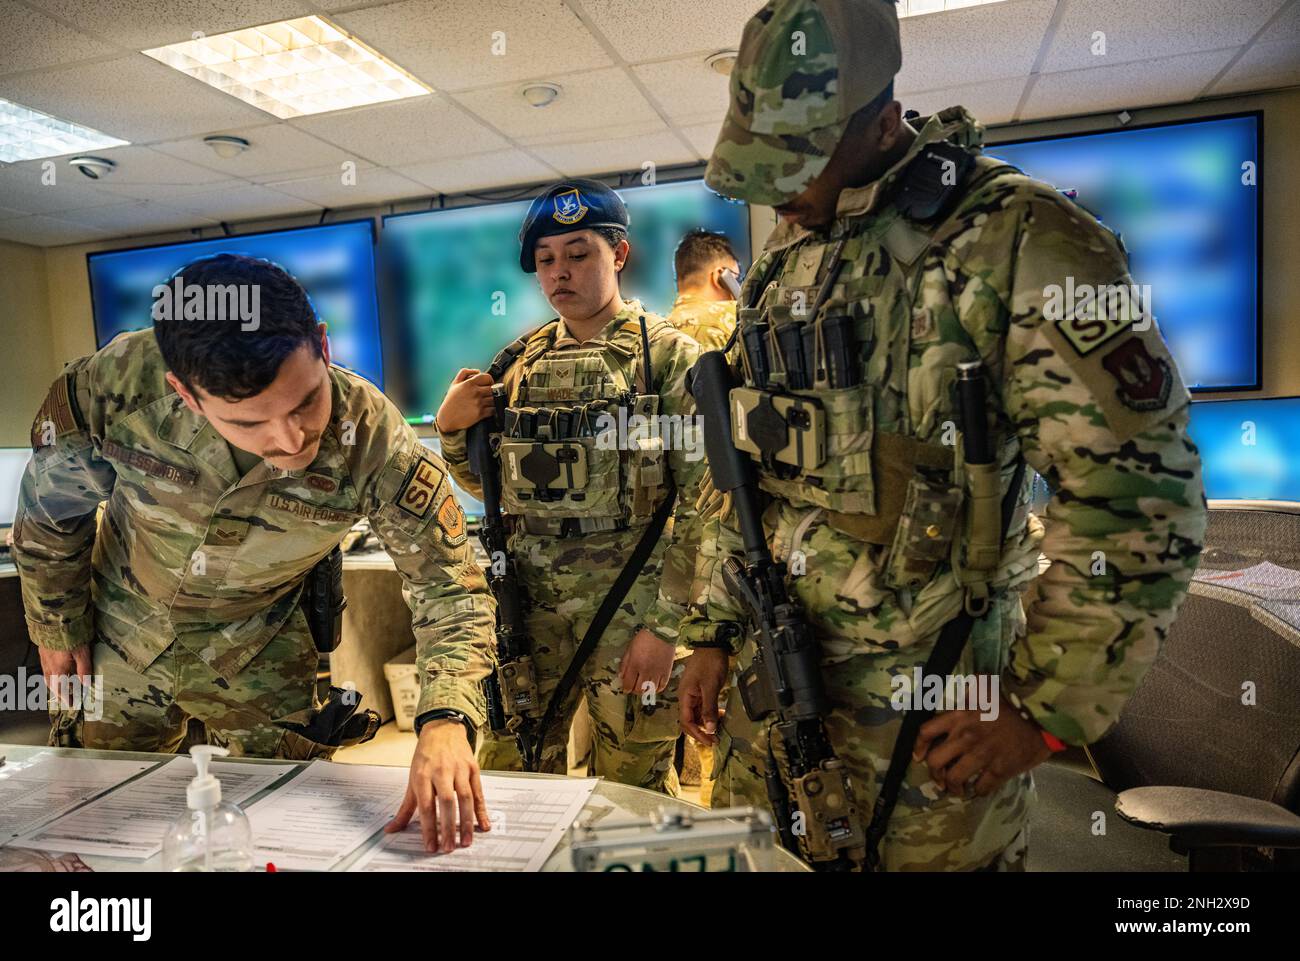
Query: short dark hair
{"x": 219, "y": 353}
{"x": 699, "y": 250}
{"x": 612, "y": 235}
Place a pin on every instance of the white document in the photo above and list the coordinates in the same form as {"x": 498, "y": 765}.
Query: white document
{"x": 130, "y": 821}
{"x": 529, "y": 817}
{"x": 325, "y": 813}
{"x": 45, "y": 786}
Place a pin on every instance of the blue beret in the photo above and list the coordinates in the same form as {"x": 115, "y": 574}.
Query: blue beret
{"x": 565, "y": 207}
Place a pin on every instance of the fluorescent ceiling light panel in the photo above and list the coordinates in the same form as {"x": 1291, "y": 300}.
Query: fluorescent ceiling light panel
{"x": 27, "y": 134}
{"x": 914, "y": 8}
{"x": 293, "y": 68}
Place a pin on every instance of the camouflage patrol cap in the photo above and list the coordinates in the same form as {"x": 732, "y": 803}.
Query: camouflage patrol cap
{"x": 564, "y": 207}
{"x": 804, "y": 68}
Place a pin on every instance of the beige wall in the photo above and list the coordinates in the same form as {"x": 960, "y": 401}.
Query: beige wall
{"x": 45, "y": 316}
{"x": 27, "y": 355}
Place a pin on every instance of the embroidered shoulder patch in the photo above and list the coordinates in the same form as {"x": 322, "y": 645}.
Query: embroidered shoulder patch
{"x": 451, "y": 518}
{"x": 415, "y": 496}
{"x": 57, "y": 415}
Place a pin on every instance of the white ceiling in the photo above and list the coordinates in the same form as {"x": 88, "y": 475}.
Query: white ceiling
{"x": 635, "y": 88}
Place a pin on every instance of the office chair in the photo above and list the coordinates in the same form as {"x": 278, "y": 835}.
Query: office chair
{"x": 1207, "y": 752}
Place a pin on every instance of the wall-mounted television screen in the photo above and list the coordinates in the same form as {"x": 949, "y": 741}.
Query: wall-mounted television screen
{"x": 455, "y": 294}
{"x": 1249, "y": 448}
{"x": 1185, "y": 199}
{"x": 335, "y": 263}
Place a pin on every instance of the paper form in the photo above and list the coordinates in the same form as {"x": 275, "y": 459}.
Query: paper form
{"x": 130, "y": 821}
{"x": 45, "y": 786}
{"x": 529, "y": 818}
{"x": 325, "y": 813}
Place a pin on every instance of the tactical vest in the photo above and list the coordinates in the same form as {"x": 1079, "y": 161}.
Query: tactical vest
{"x": 819, "y": 366}
{"x": 573, "y": 459}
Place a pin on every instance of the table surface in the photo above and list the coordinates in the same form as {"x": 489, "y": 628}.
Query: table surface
{"x": 608, "y": 800}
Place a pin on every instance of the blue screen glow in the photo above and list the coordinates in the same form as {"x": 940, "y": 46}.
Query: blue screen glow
{"x": 1250, "y": 449}
{"x": 1176, "y": 196}
{"x": 335, "y": 263}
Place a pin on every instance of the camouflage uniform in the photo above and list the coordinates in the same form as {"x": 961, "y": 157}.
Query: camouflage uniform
{"x": 567, "y": 577}
{"x": 1097, "y": 408}
{"x": 189, "y": 590}
{"x": 708, "y": 322}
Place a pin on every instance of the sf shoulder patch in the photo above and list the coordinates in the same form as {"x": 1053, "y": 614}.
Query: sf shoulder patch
{"x": 416, "y": 494}
{"x": 58, "y": 415}
{"x": 451, "y": 519}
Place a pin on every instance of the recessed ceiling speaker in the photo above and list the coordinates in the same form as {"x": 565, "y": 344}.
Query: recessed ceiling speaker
{"x": 227, "y": 148}
{"x": 96, "y": 168}
{"x": 541, "y": 94}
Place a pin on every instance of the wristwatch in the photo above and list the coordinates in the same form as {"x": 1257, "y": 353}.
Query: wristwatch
{"x": 447, "y": 713}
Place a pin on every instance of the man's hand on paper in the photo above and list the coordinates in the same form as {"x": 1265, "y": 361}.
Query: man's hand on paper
{"x": 444, "y": 783}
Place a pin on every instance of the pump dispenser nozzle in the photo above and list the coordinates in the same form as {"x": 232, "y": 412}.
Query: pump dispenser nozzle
{"x": 205, "y": 790}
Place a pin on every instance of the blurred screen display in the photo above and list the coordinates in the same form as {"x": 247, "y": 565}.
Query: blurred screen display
{"x": 1250, "y": 449}
{"x": 13, "y": 462}
{"x": 1175, "y": 195}
{"x": 335, "y": 263}
{"x": 456, "y": 295}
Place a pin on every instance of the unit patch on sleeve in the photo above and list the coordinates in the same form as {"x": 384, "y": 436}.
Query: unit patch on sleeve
{"x": 451, "y": 519}
{"x": 415, "y": 496}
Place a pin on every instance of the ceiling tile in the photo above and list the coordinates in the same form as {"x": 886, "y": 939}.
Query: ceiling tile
{"x": 23, "y": 187}
{"x": 243, "y": 202}
{"x": 615, "y": 156}
{"x": 587, "y": 100}
{"x": 274, "y": 149}
{"x": 956, "y": 47}
{"x": 449, "y": 44}
{"x": 143, "y": 217}
{"x": 676, "y": 27}
{"x": 1144, "y": 31}
{"x": 47, "y": 232}
{"x": 373, "y": 185}
{"x": 134, "y": 98}
{"x": 1285, "y": 27}
{"x": 1123, "y": 85}
{"x": 703, "y": 136}
{"x": 408, "y": 131}
{"x": 141, "y": 24}
{"x": 1264, "y": 66}
{"x": 501, "y": 168}
{"x": 33, "y": 40}
{"x": 145, "y": 168}
{"x": 993, "y": 101}
{"x": 687, "y": 90}
{"x": 616, "y": 131}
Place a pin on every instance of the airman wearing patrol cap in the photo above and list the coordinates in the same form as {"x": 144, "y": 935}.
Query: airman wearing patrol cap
{"x": 582, "y": 487}
{"x": 902, "y": 253}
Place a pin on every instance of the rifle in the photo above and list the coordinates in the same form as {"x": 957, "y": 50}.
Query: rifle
{"x": 513, "y": 703}
{"x": 816, "y": 812}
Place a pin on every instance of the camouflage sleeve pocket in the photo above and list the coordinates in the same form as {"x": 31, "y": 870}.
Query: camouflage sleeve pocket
{"x": 931, "y": 510}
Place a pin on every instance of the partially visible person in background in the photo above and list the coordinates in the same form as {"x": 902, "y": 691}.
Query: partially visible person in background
{"x": 708, "y": 275}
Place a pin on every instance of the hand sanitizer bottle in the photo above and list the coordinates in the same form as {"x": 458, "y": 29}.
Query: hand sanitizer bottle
{"x": 211, "y": 835}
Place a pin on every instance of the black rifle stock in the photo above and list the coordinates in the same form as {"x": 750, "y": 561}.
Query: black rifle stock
{"x": 511, "y": 690}
{"x": 816, "y": 812}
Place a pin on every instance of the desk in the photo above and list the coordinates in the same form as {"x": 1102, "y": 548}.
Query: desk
{"x": 609, "y": 800}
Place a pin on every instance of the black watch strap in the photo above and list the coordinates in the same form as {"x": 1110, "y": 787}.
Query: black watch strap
{"x": 447, "y": 713}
